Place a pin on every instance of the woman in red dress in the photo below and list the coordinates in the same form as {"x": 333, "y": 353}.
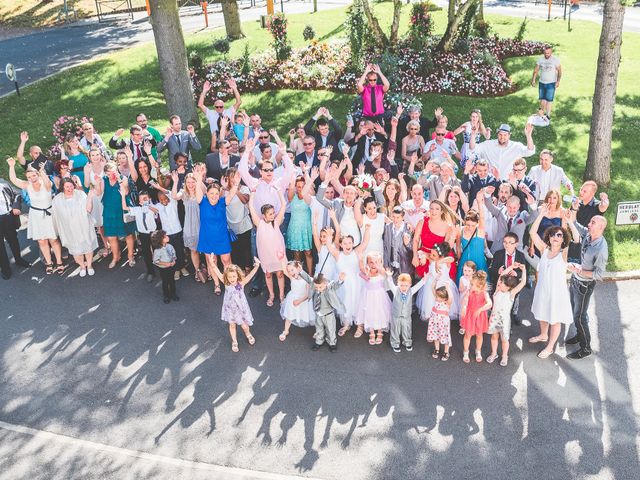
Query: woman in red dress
{"x": 436, "y": 227}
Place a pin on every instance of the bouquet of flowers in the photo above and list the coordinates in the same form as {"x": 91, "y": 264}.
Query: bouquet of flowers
{"x": 67, "y": 124}
{"x": 365, "y": 182}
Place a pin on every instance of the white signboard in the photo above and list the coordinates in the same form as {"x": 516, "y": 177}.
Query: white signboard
{"x": 628, "y": 213}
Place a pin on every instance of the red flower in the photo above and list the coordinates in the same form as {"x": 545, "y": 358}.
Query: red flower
{"x": 365, "y": 185}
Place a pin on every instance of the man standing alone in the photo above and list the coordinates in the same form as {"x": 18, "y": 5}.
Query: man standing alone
{"x": 550, "y": 72}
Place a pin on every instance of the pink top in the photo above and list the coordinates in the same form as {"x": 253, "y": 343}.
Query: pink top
{"x": 367, "y": 109}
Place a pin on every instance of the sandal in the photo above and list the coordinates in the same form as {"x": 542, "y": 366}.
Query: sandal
{"x": 379, "y": 339}
{"x": 445, "y": 356}
{"x": 234, "y": 347}
{"x": 465, "y": 357}
{"x": 283, "y": 336}
{"x": 199, "y": 277}
{"x": 49, "y": 268}
{"x": 372, "y": 340}
{"x": 435, "y": 353}
{"x": 113, "y": 263}
{"x": 359, "y": 332}
{"x": 538, "y": 339}
{"x": 478, "y": 356}
{"x": 217, "y": 290}
{"x": 342, "y": 331}
{"x": 270, "y": 302}
{"x": 132, "y": 262}
{"x": 60, "y": 268}
{"x": 504, "y": 361}
{"x": 105, "y": 252}
{"x": 492, "y": 358}
{"x": 544, "y": 353}
{"x": 251, "y": 340}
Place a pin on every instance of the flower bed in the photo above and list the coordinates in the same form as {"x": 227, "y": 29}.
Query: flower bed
{"x": 324, "y": 66}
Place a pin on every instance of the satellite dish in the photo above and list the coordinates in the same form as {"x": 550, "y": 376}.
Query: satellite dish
{"x": 10, "y": 71}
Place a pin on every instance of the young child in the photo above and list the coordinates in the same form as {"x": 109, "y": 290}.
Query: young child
{"x": 296, "y": 308}
{"x": 145, "y": 216}
{"x": 507, "y": 288}
{"x": 374, "y": 308}
{"x": 325, "y": 304}
{"x": 235, "y": 309}
{"x": 439, "y": 329}
{"x": 326, "y": 262}
{"x": 401, "y": 309}
{"x": 164, "y": 257}
{"x": 474, "y": 314}
{"x": 439, "y": 261}
{"x": 270, "y": 243}
{"x": 168, "y": 212}
{"x": 348, "y": 261}
{"x": 397, "y": 244}
{"x": 468, "y": 270}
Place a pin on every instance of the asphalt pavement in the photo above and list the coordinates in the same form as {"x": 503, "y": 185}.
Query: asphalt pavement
{"x": 100, "y": 380}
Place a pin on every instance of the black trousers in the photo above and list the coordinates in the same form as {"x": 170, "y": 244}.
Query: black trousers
{"x": 147, "y": 253}
{"x": 8, "y": 232}
{"x": 178, "y": 244}
{"x": 581, "y": 292}
{"x": 168, "y": 282}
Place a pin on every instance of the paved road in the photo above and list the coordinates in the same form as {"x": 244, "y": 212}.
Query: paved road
{"x": 100, "y": 380}
{"x": 47, "y": 52}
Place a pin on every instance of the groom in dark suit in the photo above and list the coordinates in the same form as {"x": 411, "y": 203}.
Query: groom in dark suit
{"x": 502, "y": 259}
{"x": 177, "y": 140}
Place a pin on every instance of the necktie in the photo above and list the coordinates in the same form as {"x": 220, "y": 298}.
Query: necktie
{"x": 138, "y": 152}
{"x": 144, "y": 222}
{"x": 325, "y": 218}
{"x": 509, "y": 260}
{"x": 178, "y": 141}
{"x": 509, "y": 224}
{"x": 403, "y": 296}
{"x": 374, "y": 107}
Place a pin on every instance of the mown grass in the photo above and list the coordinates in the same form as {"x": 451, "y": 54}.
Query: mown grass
{"x": 113, "y": 88}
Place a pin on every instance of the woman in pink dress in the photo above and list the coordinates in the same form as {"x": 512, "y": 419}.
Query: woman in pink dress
{"x": 270, "y": 243}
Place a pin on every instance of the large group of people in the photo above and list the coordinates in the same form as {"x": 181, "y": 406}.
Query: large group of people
{"x": 356, "y": 229}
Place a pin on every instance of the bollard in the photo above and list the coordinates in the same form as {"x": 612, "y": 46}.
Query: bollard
{"x": 206, "y": 14}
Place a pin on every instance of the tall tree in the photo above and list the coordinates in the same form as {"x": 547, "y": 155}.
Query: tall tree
{"x": 456, "y": 17}
{"x": 172, "y": 58}
{"x": 604, "y": 95}
{"x": 376, "y": 31}
{"x": 231, "y": 16}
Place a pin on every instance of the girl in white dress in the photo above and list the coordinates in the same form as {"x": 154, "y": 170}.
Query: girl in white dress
{"x": 297, "y": 308}
{"x": 507, "y": 288}
{"x": 377, "y": 222}
{"x": 374, "y": 307}
{"x": 439, "y": 262}
{"x": 348, "y": 261}
{"x": 40, "y": 226}
{"x": 72, "y": 219}
{"x": 551, "y": 300}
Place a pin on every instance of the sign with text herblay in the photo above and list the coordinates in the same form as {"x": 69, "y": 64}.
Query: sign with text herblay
{"x": 628, "y": 213}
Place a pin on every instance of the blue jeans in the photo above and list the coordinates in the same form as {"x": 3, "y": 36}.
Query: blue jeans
{"x": 546, "y": 91}
{"x": 581, "y": 292}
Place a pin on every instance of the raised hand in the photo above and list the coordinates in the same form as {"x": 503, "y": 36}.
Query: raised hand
{"x": 206, "y": 87}
{"x": 24, "y": 137}
{"x": 119, "y": 132}
{"x": 174, "y": 177}
{"x": 231, "y": 82}
{"x": 146, "y": 146}
{"x": 191, "y": 130}
{"x": 528, "y": 129}
{"x": 315, "y": 173}
{"x": 11, "y": 161}
{"x": 438, "y": 112}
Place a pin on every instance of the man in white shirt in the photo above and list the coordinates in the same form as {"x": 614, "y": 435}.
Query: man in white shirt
{"x": 416, "y": 208}
{"x": 550, "y": 72}
{"x": 263, "y": 139}
{"x": 502, "y": 152}
{"x": 214, "y": 116}
{"x": 548, "y": 176}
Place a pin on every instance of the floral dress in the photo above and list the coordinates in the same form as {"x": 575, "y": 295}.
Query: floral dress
{"x": 235, "y": 308}
{"x": 439, "y": 329}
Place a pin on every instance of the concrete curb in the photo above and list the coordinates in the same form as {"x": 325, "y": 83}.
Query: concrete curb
{"x": 620, "y": 276}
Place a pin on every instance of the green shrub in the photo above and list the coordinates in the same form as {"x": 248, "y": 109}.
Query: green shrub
{"x": 308, "y": 33}
{"x": 522, "y": 29}
{"x": 222, "y": 45}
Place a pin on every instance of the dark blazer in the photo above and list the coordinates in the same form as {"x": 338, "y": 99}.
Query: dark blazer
{"x": 393, "y": 243}
{"x": 121, "y": 144}
{"x": 521, "y": 195}
{"x": 360, "y": 145}
{"x": 499, "y": 261}
{"x": 335, "y": 134}
{"x": 214, "y": 169}
{"x": 11, "y": 200}
{"x": 472, "y": 184}
{"x": 302, "y": 157}
{"x": 187, "y": 145}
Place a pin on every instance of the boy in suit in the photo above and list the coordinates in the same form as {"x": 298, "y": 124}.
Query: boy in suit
{"x": 325, "y": 303}
{"x": 401, "y": 309}
{"x": 397, "y": 244}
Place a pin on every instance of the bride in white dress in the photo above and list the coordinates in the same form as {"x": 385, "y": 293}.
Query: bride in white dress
{"x": 551, "y": 300}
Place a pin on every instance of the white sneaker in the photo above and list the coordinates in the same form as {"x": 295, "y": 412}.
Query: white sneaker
{"x": 83, "y": 272}
{"x": 185, "y": 272}
{"x": 176, "y": 276}
{"x": 91, "y": 272}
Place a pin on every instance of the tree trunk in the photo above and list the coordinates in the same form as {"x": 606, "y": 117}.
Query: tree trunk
{"x": 395, "y": 25}
{"x": 379, "y": 36}
{"x": 451, "y": 12}
{"x": 446, "y": 43}
{"x": 604, "y": 96}
{"x": 231, "y": 16}
{"x": 172, "y": 59}
{"x": 480, "y": 12}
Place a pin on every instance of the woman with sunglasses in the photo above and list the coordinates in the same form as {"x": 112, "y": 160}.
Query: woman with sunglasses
{"x": 551, "y": 300}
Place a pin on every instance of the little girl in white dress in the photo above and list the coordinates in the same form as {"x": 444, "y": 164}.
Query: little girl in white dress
{"x": 297, "y": 308}
{"x": 326, "y": 262}
{"x": 439, "y": 260}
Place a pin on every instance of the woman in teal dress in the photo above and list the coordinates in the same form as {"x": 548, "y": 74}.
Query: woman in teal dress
{"x": 76, "y": 154}
{"x": 113, "y": 215}
{"x": 470, "y": 242}
{"x": 299, "y": 232}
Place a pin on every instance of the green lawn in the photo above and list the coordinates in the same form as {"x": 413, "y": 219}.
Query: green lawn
{"x": 112, "y": 89}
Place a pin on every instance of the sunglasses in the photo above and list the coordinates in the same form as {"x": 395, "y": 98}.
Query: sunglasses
{"x": 266, "y": 170}
{"x": 263, "y": 138}
{"x": 440, "y": 134}
{"x": 308, "y": 144}
{"x": 219, "y": 106}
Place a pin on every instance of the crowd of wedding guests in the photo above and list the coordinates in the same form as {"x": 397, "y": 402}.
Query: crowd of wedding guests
{"x": 350, "y": 228}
